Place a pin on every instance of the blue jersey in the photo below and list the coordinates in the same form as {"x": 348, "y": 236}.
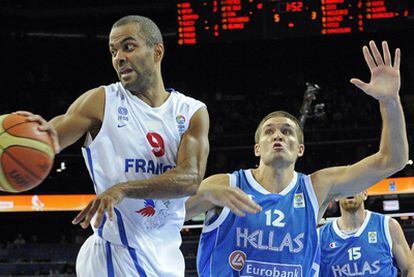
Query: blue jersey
{"x": 281, "y": 240}
{"x": 365, "y": 253}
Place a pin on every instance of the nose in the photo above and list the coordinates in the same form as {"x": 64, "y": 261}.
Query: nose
{"x": 119, "y": 58}
{"x": 278, "y": 136}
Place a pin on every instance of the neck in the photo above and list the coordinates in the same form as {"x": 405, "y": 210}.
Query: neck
{"x": 273, "y": 179}
{"x": 154, "y": 95}
{"x": 351, "y": 220}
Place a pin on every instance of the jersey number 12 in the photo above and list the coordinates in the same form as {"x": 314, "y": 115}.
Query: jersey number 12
{"x": 277, "y": 222}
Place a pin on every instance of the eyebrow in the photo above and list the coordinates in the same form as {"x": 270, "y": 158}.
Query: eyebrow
{"x": 124, "y": 40}
{"x": 283, "y": 125}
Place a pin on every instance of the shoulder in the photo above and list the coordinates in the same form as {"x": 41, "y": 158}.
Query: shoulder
{"x": 324, "y": 229}
{"x": 394, "y": 225}
{"x": 90, "y": 104}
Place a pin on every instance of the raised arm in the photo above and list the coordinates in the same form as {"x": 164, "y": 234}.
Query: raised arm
{"x": 392, "y": 156}
{"x": 400, "y": 249}
{"x": 181, "y": 181}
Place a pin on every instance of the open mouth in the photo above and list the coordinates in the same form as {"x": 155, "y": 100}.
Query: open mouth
{"x": 125, "y": 71}
{"x": 278, "y": 146}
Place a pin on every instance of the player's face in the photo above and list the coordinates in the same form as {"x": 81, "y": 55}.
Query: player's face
{"x": 278, "y": 144}
{"x": 352, "y": 203}
{"x": 133, "y": 60}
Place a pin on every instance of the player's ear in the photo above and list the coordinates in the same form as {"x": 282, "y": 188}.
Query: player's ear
{"x": 301, "y": 150}
{"x": 365, "y": 194}
{"x": 158, "y": 52}
{"x": 257, "y": 150}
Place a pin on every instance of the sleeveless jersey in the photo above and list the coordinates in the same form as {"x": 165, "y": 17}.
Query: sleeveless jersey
{"x": 136, "y": 142}
{"x": 366, "y": 253}
{"x": 281, "y": 240}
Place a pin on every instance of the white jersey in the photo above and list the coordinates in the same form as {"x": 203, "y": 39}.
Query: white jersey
{"x": 136, "y": 142}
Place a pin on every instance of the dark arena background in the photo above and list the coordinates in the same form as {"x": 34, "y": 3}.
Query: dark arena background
{"x": 243, "y": 58}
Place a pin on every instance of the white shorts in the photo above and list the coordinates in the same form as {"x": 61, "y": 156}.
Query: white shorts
{"x": 100, "y": 258}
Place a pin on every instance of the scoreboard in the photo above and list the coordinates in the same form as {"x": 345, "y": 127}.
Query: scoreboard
{"x": 205, "y": 21}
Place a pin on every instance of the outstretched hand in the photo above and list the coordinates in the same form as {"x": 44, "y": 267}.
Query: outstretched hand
{"x": 385, "y": 77}
{"x": 103, "y": 203}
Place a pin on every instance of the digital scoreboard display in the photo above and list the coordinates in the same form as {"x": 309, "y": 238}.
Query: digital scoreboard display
{"x": 204, "y": 21}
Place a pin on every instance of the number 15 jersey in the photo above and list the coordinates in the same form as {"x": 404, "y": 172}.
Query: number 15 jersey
{"x": 281, "y": 240}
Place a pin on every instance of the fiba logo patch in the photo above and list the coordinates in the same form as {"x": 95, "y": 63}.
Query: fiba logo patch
{"x": 237, "y": 260}
{"x": 157, "y": 144}
{"x": 180, "y": 123}
{"x": 122, "y": 110}
{"x": 122, "y": 116}
{"x": 299, "y": 200}
{"x": 372, "y": 237}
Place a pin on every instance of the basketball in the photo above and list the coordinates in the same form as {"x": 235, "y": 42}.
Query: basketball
{"x": 26, "y": 154}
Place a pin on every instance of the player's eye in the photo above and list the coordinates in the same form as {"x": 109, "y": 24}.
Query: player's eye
{"x": 268, "y": 131}
{"x": 129, "y": 47}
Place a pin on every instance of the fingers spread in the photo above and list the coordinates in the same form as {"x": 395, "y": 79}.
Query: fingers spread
{"x": 376, "y": 53}
{"x": 358, "y": 83}
{"x": 91, "y": 213}
{"x": 397, "y": 59}
{"x": 368, "y": 58}
{"x": 387, "y": 55}
{"x": 81, "y": 215}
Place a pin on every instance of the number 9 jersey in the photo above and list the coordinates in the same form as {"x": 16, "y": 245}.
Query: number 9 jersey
{"x": 281, "y": 240}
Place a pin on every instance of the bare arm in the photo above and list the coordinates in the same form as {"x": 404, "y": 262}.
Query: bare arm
{"x": 83, "y": 115}
{"x": 181, "y": 181}
{"x": 400, "y": 249}
{"x": 215, "y": 191}
{"x": 337, "y": 182}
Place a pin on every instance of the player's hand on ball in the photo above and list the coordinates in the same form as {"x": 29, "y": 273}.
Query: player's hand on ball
{"x": 44, "y": 127}
{"x": 385, "y": 74}
{"x": 103, "y": 203}
{"x": 233, "y": 198}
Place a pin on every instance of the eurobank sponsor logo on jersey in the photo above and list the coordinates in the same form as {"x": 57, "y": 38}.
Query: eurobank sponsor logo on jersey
{"x": 146, "y": 166}
{"x": 256, "y": 268}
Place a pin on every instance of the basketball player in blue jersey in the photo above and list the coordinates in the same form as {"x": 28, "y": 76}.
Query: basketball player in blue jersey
{"x": 146, "y": 151}
{"x": 363, "y": 243}
{"x": 281, "y": 239}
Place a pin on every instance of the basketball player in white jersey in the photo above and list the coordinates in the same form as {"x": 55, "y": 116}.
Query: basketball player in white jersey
{"x": 363, "y": 243}
{"x": 278, "y": 143}
{"x": 146, "y": 152}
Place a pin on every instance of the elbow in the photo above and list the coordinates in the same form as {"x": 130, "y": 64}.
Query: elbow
{"x": 395, "y": 165}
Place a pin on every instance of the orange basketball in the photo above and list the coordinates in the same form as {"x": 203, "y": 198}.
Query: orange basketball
{"x": 26, "y": 154}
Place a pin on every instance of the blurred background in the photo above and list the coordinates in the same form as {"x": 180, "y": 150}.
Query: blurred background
{"x": 243, "y": 58}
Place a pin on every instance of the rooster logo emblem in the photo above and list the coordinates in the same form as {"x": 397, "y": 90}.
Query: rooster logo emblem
{"x": 149, "y": 208}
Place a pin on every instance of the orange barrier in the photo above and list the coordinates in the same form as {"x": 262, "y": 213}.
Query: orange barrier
{"x": 76, "y": 202}
{"x": 393, "y": 186}
{"x": 33, "y": 203}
